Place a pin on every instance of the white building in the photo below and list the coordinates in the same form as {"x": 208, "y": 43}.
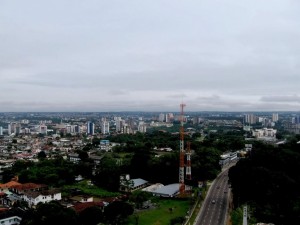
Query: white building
{"x": 11, "y": 220}
{"x": 25, "y": 121}
{"x": 9, "y": 129}
{"x": 119, "y": 125}
{"x": 275, "y": 117}
{"x": 105, "y": 127}
{"x": 27, "y": 130}
{"x": 250, "y": 119}
{"x": 169, "y": 117}
{"x": 90, "y": 128}
{"x": 161, "y": 117}
{"x": 265, "y": 132}
{"x": 142, "y": 127}
{"x": 43, "y": 129}
{"x": 34, "y": 197}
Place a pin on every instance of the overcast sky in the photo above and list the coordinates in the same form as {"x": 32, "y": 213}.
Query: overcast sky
{"x": 149, "y": 55}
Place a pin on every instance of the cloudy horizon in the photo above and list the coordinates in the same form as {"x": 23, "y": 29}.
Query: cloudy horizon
{"x": 115, "y": 55}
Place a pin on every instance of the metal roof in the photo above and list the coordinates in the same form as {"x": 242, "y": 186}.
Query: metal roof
{"x": 168, "y": 190}
{"x": 137, "y": 182}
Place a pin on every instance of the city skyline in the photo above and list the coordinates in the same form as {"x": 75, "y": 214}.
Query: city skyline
{"x": 115, "y": 55}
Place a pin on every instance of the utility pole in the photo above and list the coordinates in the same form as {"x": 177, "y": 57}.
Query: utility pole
{"x": 245, "y": 215}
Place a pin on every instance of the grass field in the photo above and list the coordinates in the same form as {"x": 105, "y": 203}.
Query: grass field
{"x": 88, "y": 189}
{"x": 161, "y": 215}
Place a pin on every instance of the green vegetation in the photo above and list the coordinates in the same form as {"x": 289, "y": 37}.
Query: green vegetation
{"x": 55, "y": 172}
{"x": 136, "y": 156}
{"x": 237, "y": 216}
{"x": 50, "y": 213}
{"x": 54, "y": 213}
{"x": 88, "y": 189}
{"x": 162, "y": 214}
{"x": 269, "y": 181}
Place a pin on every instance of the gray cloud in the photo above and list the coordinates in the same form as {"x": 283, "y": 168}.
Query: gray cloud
{"x": 214, "y": 55}
{"x": 282, "y": 98}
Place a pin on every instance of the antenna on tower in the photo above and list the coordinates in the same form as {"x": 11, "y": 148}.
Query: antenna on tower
{"x": 181, "y": 154}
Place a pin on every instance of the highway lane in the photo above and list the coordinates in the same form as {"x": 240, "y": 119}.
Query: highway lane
{"x": 214, "y": 208}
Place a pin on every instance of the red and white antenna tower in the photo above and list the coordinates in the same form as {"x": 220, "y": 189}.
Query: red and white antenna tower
{"x": 188, "y": 171}
{"x": 181, "y": 156}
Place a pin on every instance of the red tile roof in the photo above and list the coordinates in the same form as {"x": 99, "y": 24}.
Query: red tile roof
{"x": 82, "y": 206}
{"x": 28, "y": 186}
{"x": 9, "y": 184}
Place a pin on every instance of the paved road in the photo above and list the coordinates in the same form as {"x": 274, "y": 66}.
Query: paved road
{"x": 214, "y": 208}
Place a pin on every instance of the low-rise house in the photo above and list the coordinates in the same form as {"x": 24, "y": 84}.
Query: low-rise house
{"x": 21, "y": 189}
{"x": 129, "y": 185}
{"x": 5, "y": 187}
{"x": 35, "y": 197}
{"x": 79, "y": 207}
{"x": 96, "y": 159}
{"x": 31, "y": 193}
{"x": 24, "y": 156}
{"x": 74, "y": 157}
{"x": 82, "y": 198}
{"x": 11, "y": 216}
{"x": 170, "y": 190}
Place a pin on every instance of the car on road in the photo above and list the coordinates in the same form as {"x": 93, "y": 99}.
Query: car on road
{"x": 213, "y": 201}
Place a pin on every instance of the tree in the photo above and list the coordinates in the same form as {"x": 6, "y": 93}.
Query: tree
{"x": 52, "y": 172}
{"x": 83, "y": 155}
{"x": 269, "y": 181}
{"x": 49, "y": 214}
{"x": 95, "y": 142}
{"x": 84, "y": 168}
{"x": 108, "y": 174}
{"x": 140, "y": 163}
{"x": 139, "y": 197}
{"x": 41, "y": 155}
{"x": 7, "y": 175}
{"x": 117, "y": 211}
{"x": 206, "y": 163}
{"x": 177, "y": 220}
{"x": 91, "y": 216}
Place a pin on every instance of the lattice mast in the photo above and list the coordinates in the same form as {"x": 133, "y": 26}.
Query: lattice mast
{"x": 188, "y": 171}
{"x": 182, "y": 152}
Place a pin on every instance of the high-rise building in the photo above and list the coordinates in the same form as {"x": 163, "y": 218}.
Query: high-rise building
{"x": 296, "y": 119}
{"x": 161, "y": 117}
{"x": 43, "y": 129}
{"x": 14, "y": 128}
{"x": 1, "y": 131}
{"x": 17, "y": 128}
{"x": 142, "y": 127}
{"x": 250, "y": 119}
{"x": 26, "y": 130}
{"x": 90, "y": 128}
{"x": 275, "y": 117}
{"x": 119, "y": 125}
{"x": 77, "y": 129}
{"x": 131, "y": 123}
{"x": 196, "y": 120}
{"x": 105, "y": 127}
{"x": 70, "y": 129}
{"x": 25, "y": 121}
{"x": 9, "y": 129}
{"x": 169, "y": 117}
